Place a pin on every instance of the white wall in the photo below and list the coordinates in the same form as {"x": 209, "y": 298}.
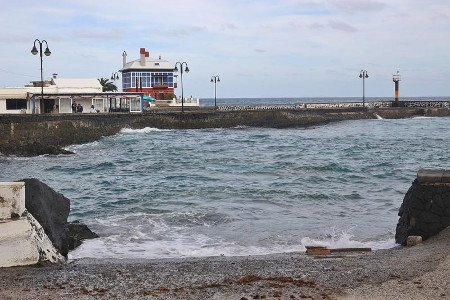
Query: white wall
{"x": 22, "y": 239}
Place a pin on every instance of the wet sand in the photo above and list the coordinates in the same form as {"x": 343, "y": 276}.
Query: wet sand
{"x": 420, "y": 272}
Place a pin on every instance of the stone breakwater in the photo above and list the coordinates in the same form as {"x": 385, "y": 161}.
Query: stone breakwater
{"x": 29, "y": 135}
{"x": 426, "y": 207}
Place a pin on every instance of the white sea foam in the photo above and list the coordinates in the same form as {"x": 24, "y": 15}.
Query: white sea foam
{"x": 379, "y": 117}
{"x": 176, "y": 244}
{"x": 423, "y": 117}
{"x": 345, "y": 240}
{"x": 143, "y": 130}
{"x": 78, "y": 147}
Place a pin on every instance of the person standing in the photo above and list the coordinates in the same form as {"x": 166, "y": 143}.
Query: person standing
{"x": 74, "y": 107}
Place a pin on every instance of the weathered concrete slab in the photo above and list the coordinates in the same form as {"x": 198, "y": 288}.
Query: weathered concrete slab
{"x": 12, "y": 229}
{"x": 12, "y": 199}
{"x": 22, "y": 239}
{"x": 17, "y": 246}
{"x": 23, "y": 242}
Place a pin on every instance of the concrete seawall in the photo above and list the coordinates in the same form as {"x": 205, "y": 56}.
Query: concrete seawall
{"x": 426, "y": 207}
{"x": 22, "y": 239}
{"x": 28, "y": 135}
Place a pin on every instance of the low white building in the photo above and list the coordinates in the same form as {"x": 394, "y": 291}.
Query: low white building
{"x": 59, "y": 95}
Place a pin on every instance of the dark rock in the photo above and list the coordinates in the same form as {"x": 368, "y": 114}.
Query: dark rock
{"x": 50, "y": 209}
{"x": 14, "y": 216}
{"x": 77, "y": 232}
{"x": 425, "y": 208}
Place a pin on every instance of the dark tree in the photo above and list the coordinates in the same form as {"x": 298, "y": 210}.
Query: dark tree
{"x": 107, "y": 86}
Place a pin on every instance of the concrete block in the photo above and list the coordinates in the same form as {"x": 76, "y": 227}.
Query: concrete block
{"x": 24, "y": 242}
{"x": 429, "y": 176}
{"x": 12, "y": 229}
{"x": 17, "y": 245}
{"x": 12, "y": 199}
{"x": 413, "y": 240}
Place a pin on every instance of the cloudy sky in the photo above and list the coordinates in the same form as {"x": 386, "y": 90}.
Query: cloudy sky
{"x": 282, "y": 48}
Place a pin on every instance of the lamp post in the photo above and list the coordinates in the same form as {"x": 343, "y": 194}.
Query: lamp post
{"x": 215, "y": 79}
{"x": 47, "y": 52}
{"x": 181, "y": 70}
{"x": 363, "y": 74}
{"x": 115, "y": 76}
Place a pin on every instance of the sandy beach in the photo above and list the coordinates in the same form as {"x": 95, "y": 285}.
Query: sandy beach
{"x": 419, "y": 272}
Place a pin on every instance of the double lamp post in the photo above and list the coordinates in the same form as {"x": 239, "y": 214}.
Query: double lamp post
{"x": 47, "y": 52}
{"x": 215, "y": 79}
{"x": 363, "y": 74}
{"x": 181, "y": 64}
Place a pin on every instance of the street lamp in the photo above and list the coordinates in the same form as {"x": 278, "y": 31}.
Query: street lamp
{"x": 115, "y": 76}
{"x": 47, "y": 52}
{"x": 363, "y": 74}
{"x": 215, "y": 79}
{"x": 181, "y": 70}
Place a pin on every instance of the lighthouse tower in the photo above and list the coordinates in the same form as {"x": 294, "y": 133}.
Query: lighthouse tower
{"x": 396, "y": 78}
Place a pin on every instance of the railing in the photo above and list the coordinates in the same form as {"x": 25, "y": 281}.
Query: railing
{"x": 431, "y": 104}
{"x": 160, "y": 85}
{"x": 337, "y": 105}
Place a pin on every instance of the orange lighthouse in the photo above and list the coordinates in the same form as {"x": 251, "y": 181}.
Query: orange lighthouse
{"x": 151, "y": 76}
{"x": 396, "y": 78}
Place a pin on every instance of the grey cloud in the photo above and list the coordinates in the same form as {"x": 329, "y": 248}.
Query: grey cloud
{"x": 316, "y": 26}
{"x": 260, "y": 50}
{"x": 341, "y": 26}
{"x": 182, "y": 32}
{"x": 97, "y": 33}
{"x": 229, "y": 26}
{"x": 359, "y": 6}
{"x": 244, "y": 74}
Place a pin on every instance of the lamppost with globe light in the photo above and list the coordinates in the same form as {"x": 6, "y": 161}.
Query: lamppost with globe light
{"x": 181, "y": 70}
{"x": 215, "y": 79}
{"x": 47, "y": 52}
{"x": 363, "y": 74}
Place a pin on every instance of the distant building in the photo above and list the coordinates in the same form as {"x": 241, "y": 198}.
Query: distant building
{"x": 153, "y": 77}
{"x": 60, "y": 94}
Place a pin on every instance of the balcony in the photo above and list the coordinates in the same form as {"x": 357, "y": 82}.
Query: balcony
{"x": 160, "y": 85}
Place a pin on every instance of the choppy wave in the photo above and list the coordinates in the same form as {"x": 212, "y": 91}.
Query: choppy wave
{"x": 241, "y": 191}
{"x": 198, "y": 245}
{"x": 142, "y": 130}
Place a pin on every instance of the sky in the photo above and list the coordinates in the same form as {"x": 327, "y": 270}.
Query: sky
{"x": 282, "y": 48}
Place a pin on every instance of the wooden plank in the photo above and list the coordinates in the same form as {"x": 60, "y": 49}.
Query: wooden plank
{"x": 339, "y": 250}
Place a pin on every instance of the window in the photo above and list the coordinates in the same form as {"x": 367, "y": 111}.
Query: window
{"x": 126, "y": 80}
{"x": 16, "y": 104}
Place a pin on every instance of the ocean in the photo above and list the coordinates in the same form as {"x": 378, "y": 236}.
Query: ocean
{"x": 152, "y": 193}
{"x": 267, "y": 101}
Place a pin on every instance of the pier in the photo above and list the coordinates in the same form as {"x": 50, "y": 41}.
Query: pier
{"x": 28, "y": 135}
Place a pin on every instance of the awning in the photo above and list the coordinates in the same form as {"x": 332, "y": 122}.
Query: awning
{"x": 149, "y": 99}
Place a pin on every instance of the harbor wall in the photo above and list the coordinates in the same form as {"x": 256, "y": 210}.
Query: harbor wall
{"x": 425, "y": 210}
{"x": 28, "y": 135}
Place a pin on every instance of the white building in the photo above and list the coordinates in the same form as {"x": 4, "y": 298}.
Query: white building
{"x": 61, "y": 94}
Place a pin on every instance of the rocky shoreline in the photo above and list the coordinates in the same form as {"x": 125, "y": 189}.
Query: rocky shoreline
{"x": 278, "y": 276}
{"x": 31, "y": 135}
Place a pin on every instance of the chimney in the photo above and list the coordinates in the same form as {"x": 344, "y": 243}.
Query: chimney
{"x": 124, "y": 58}
{"x": 142, "y": 58}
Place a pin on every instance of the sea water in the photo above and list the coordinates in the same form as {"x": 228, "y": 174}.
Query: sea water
{"x": 153, "y": 193}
